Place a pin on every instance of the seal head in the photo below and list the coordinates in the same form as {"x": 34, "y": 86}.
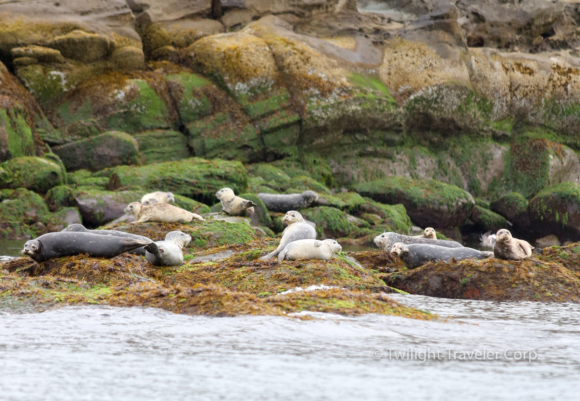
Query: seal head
{"x": 32, "y": 248}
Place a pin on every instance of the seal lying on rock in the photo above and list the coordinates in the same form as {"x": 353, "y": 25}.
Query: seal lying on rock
{"x": 160, "y": 212}
{"x": 415, "y": 255}
{"x": 310, "y": 249}
{"x": 297, "y": 229}
{"x": 56, "y": 245}
{"x": 79, "y": 228}
{"x": 160, "y": 197}
{"x": 170, "y": 251}
{"x": 509, "y": 248}
{"x": 149, "y": 202}
{"x": 428, "y": 233}
{"x": 234, "y": 205}
{"x": 284, "y": 203}
{"x": 386, "y": 240}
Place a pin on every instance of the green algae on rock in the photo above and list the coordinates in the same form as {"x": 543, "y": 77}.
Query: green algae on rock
{"x": 195, "y": 178}
{"x": 556, "y": 209}
{"x": 35, "y": 173}
{"x": 96, "y": 153}
{"x": 162, "y": 146}
{"x": 428, "y": 202}
{"x": 487, "y": 220}
{"x": 330, "y": 222}
{"x": 98, "y": 207}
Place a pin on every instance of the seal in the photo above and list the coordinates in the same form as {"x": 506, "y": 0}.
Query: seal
{"x": 150, "y": 202}
{"x": 415, "y": 255}
{"x": 297, "y": 229}
{"x": 234, "y": 205}
{"x": 310, "y": 249}
{"x": 284, "y": 203}
{"x": 160, "y": 212}
{"x": 168, "y": 252}
{"x": 56, "y": 245}
{"x": 79, "y": 228}
{"x": 160, "y": 197}
{"x": 429, "y": 232}
{"x": 509, "y": 248}
{"x": 386, "y": 240}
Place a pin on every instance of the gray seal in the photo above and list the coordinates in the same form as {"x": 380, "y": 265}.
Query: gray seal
{"x": 385, "y": 241}
{"x": 170, "y": 251}
{"x": 56, "y": 245}
{"x": 285, "y": 202}
{"x": 297, "y": 229}
{"x": 415, "y": 255}
{"x": 79, "y": 228}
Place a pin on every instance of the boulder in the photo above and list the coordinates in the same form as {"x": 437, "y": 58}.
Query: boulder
{"x": 556, "y": 210}
{"x": 191, "y": 205}
{"x": 272, "y": 176}
{"x": 514, "y": 207}
{"x": 347, "y": 201}
{"x": 106, "y": 150}
{"x": 195, "y": 178}
{"x": 486, "y": 220}
{"x": 34, "y": 173}
{"x": 548, "y": 241}
{"x": 23, "y": 214}
{"x": 491, "y": 280}
{"x": 60, "y": 197}
{"x": 100, "y": 207}
{"x": 330, "y": 222}
{"x": 162, "y": 146}
{"x": 429, "y": 203}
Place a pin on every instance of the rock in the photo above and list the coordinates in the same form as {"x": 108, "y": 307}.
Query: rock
{"x": 390, "y": 217}
{"x": 106, "y": 150}
{"x": 100, "y": 207}
{"x": 513, "y": 206}
{"x": 21, "y": 120}
{"x": 260, "y": 217}
{"x": 348, "y": 201}
{"x": 38, "y": 53}
{"x": 63, "y": 218}
{"x": 548, "y": 241}
{"x": 128, "y": 58}
{"x": 556, "y": 210}
{"x": 35, "y": 173}
{"x": 191, "y": 205}
{"x": 272, "y": 176}
{"x": 60, "y": 197}
{"x": 429, "y": 203}
{"x": 82, "y": 46}
{"x": 20, "y": 212}
{"x": 330, "y": 222}
{"x": 491, "y": 280}
{"x": 162, "y": 146}
{"x": 229, "y": 219}
{"x": 196, "y": 178}
{"x": 486, "y": 220}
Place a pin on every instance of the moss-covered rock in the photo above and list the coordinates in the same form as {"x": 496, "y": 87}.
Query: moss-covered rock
{"x": 23, "y": 214}
{"x": 487, "y": 220}
{"x": 35, "y": 173}
{"x": 59, "y": 197}
{"x": 191, "y": 205}
{"x": 391, "y": 217}
{"x": 428, "y": 202}
{"x": 492, "y": 280}
{"x": 305, "y": 183}
{"x": 195, "y": 178}
{"x": 63, "y": 218}
{"x": 556, "y": 210}
{"x": 162, "y": 146}
{"x": 330, "y": 222}
{"x": 98, "y": 207}
{"x": 514, "y": 207}
{"x": 348, "y": 201}
{"x": 272, "y": 176}
{"x": 96, "y": 153}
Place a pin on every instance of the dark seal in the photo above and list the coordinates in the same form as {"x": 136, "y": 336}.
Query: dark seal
{"x": 79, "y": 228}
{"x": 286, "y": 202}
{"x": 56, "y": 245}
{"x": 385, "y": 241}
{"x": 415, "y": 255}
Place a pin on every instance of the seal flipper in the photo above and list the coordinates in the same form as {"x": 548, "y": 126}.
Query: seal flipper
{"x": 153, "y": 248}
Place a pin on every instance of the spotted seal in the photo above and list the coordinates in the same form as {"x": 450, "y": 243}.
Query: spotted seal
{"x": 415, "y": 255}
{"x": 310, "y": 249}
{"x": 386, "y": 240}
{"x": 79, "y": 228}
{"x": 160, "y": 212}
{"x": 285, "y": 202}
{"x": 160, "y": 197}
{"x": 234, "y": 205}
{"x": 429, "y": 232}
{"x": 168, "y": 252}
{"x": 297, "y": 229}
{"x": 509, "y": 248}
{"x": 56, "y": 245}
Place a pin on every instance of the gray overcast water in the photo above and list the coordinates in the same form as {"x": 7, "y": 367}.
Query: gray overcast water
{"x": 104, "y": 353}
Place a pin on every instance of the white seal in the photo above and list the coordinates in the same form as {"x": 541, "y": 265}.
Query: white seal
{"x": 310, "y": 249}
{"x": 160, "y": 212}
{"x": 168, "y": 252}
{"x": 160, "y": 197}
{"x": 234, "y": 205}
{"x": 297, "y": 229}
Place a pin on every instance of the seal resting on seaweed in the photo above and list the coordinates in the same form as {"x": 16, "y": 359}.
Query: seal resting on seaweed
{"x": 297, "y": 229}
{"x": 168, "y": 252}
{"x": 234, "y": 205}
{"x": 160, "y": 212}
{"x": 385, "y": 241}
{"x": 310, "y": 249}
{"x": 429, "y": 232}
{"x": 285, "y": 202}
{"x": 509, "y": 248}
{"x": 56, "y": 245}
{"x": 159, "y": 197}
{"x": 79, "y": 228}
{"x": 415, "y": 255}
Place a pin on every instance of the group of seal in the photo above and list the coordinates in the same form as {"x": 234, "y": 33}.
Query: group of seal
{"x": 416, "y": 251}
